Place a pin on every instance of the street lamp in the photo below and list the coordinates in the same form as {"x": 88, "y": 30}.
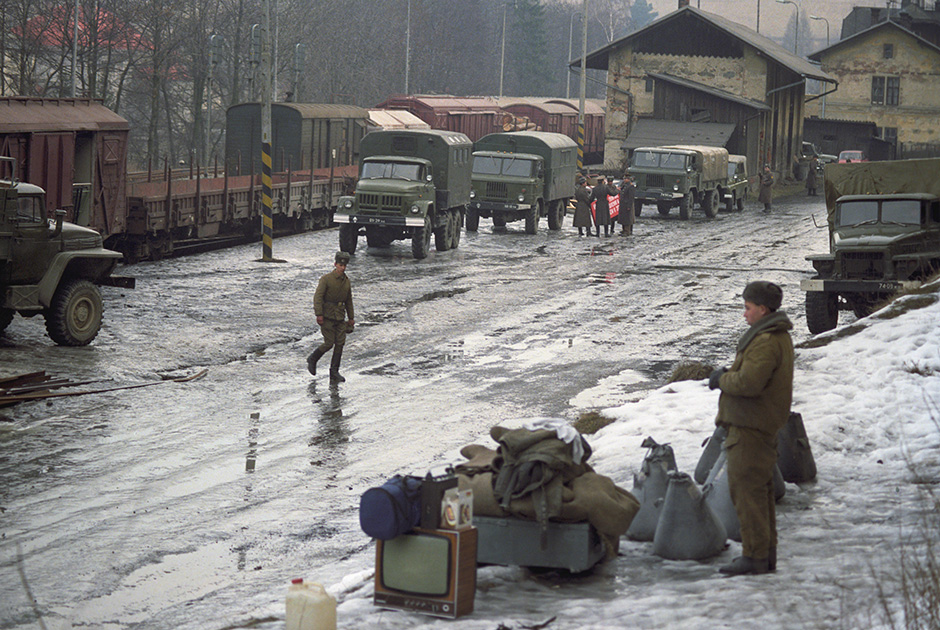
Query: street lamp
{"x": 570, "y": 35}
{"x": 816, "y": 17}
{"x": 796, "y": 32}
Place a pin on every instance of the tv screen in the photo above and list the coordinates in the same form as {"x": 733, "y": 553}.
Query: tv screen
{"x": 417, "y": 563}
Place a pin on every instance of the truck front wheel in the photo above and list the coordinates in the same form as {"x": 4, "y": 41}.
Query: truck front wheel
{"x": 637, "y": 208}
{"x": 74, "y": 317}
{"x": 822, "y": 311}
{"x": 684, "y": 204}
{"x": 348, "y": 237}
{"x": 473, "y": 219}
{"x": 421, "y": 240}
{"x": 532, "y": 220}
{"x": 710, "y": 203}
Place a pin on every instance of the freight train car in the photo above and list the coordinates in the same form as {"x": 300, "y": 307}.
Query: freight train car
{"x": 77, "y": 150}
{"x": 473, "y": 116}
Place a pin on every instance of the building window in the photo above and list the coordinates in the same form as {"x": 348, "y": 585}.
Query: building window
{"x": 649, "y": 84}
{"x": 888, "y": 51}
{"x": 886, "y": 91}
{"x": 890, "y": 134}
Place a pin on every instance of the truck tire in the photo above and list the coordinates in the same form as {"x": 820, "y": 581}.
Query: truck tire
{"x": 442, "y": 235}
{"x": 637, "y": 208}
{"x": 684, "y": 204}
{"x": 348, "y": 237}
{"x": 555, "y": 215}
{"x": 532, "y": 220}
{"x": 6, "y": 316}
{"x": 663, "y": 208}
{"x": 710, "y": 203}
{"x": 421, "y": 240}
{"x": 739, "y": 203}
{"x": 456, "y": 220}
{"x": 473, "y": 220}
{"x": 74, "y": 317}
{"x": 822, "y": 311}
{"x": 729, "y": 204}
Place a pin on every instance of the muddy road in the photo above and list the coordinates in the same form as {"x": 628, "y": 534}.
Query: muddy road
{"x": 184, "y": 504}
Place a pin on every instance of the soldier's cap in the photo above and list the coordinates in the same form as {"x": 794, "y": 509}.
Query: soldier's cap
{"x": 582, "y": 179}
{"x": 763, "y": 293}
{"x": 341, "y": 257}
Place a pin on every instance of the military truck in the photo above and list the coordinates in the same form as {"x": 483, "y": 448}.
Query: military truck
{"x": 884, "y": 237}
{"x": 412, "y": 183}
{"x": 682, "y": 176}
{"x": 735, "y": 192}
{"x": 522, "y": 175}
{"x": 48, "y": 267}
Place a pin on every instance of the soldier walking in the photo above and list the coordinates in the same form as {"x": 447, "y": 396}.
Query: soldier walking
{"x": 627, "y": 216}
{"x": 811, "y": 177}
{"x": 765, "y": 195}
{"x": 754, "y": 405}
{"x": 332, "y": 302}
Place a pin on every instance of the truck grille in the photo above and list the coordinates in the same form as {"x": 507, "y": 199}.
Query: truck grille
{"x": 863, "y": 265}
{"x": 496, "y": 190}
{"x": 655, "y": 181}
{"x": 379, "y": 203}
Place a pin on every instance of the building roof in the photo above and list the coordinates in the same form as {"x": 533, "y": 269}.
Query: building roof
{"x": 817, "y": 56}
{"x": 22, "y": 114}
{"x": 598, "y": 59}
{"x": 701, "y": 87}
{"x": 649, "y": 132}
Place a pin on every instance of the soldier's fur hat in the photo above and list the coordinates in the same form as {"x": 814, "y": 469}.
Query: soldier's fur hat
{"x": 763, "y": 293}
{"x": 341, "y": 257}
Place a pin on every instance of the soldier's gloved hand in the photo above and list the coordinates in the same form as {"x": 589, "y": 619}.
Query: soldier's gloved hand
{"x": 715, "y": 377}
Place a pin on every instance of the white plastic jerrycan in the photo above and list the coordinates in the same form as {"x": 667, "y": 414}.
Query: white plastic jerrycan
{"x": 310, "y": 607}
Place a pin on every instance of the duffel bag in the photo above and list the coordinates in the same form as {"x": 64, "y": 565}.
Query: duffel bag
{"x": 391, "y": 509}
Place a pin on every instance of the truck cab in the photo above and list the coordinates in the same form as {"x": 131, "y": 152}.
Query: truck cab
{"x": 679, "y": 176}
{"x": 51, "y": 268}
{"x": 412, "y": 184}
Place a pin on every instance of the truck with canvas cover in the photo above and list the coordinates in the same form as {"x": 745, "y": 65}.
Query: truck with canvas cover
{"x": 48, "y": 267}
{"x": 884, "y": 237}
{"x": 682, "y": 176}
{"x": 412, "y": 183}
{"x": 522, "y": 175}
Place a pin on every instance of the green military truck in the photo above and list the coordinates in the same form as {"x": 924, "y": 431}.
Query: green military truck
{"x": 412, "y": 183}
{"x": 680, "y": 176}
{"x": 884, "y": 237}
{"x": 50, "y": 268}
{"x": 736, "y": 191}
{"x": 522, "y": 175}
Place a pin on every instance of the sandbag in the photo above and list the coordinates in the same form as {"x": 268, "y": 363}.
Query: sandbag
{"x": 649, "y": 487}
{"x": 391, "y": 509}
{"x": 794, "y": 457}
{"x": 718, "y": 497}
{"x": 710, "y": 454}
{"x": 687, "y": 528}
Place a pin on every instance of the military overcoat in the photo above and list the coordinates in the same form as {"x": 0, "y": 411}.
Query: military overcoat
{"x": 333, "y": 298}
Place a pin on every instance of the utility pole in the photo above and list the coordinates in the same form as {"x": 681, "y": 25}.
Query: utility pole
{"x": 502, "y": 52}
{"x": 407, "y": 47}
{"x": 267, "y": 222}
{"x": 583, "y": 90}
{"x": 75, "y": 48}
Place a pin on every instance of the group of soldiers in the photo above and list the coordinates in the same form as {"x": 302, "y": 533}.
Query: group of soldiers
{"x": 584, "y": 217}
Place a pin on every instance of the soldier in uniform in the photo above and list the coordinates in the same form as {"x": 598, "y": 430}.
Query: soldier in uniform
{"x": 627, "y": 216}
{"x": 602, "y": 204}
{"x": 582, "y": 209}
{"x": 765, "y": 193}
{"x": 754, "y": 405}
{"x": 332, "y": 302}
{"x": 811, "y": 177}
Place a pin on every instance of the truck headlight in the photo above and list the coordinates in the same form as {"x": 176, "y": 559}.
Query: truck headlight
{"x": 473, "y": 194}
{"x": 415, "y": 209}
{"x": 348, "y": 204}
{"x": 675, "y": 187}
{"x": 521, "y": 198}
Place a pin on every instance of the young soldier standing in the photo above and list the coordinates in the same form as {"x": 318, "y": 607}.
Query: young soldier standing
{"x": 332, "y": 302}
{"x": 756, "y": 393}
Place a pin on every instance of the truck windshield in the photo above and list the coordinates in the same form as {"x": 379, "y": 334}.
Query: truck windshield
{"x": 858, "y": 212}
{"x": 654, "y": 159}
{"x": 391, "y": 170}
{"x": 29, "y": 209}
{"x": 903, "y": 211}
{"x": 497, "y": 165}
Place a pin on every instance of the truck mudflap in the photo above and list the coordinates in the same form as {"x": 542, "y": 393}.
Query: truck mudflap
{"x": 499, "y": 206}
{"x": 859, "y": 286}
{"x": 371, "y": 219}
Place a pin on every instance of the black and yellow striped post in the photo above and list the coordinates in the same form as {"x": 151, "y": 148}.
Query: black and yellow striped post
{"x": 581, "y": 144}
{"x": 267, "y": 221}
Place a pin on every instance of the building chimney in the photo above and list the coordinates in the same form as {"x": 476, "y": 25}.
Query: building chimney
{"x": 683, "y": 3}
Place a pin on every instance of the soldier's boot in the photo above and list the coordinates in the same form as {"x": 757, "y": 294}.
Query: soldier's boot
{"x": 312, "y": 361}
{"x": 335, "y": 376}
{"x": 743, "y": 565}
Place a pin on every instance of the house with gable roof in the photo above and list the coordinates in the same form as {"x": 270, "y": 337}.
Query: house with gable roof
{"x": 691, "y": 49}
{"x": 888, "y": 75}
